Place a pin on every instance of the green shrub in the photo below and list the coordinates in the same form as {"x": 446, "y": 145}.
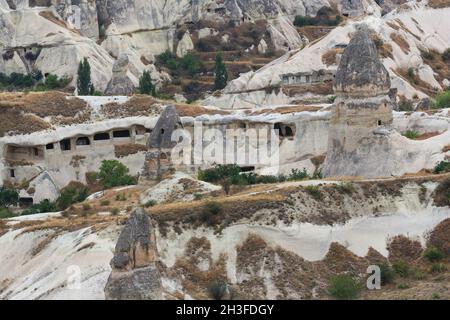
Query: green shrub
{"x": 298, "y": 175}
{"x": 446, "y": 55}
{"x": 435, "y": 296}
{"x": 441, "y": 167}
{"x": 75, "y": 192}
{"x": 6, "y": 213}
{"x": 344, "y": 287}
{"x": 346, "y": 187}
{"x": 433, "y": 254}
{"x": 146, "y": 85}
{"x": 217, "y": 289}
{"x": 315, "y": 192}
{"x": 387, "y": 274}
{"x": 191, "y": 63}
{"x": 42, "y": 207}
{"x": 115, "y": 211}
{"x": 121, "y": 197}
{"x": 403, "y": 286}
{"x": 210, "y": 212}
{"x": 442, "y": 100}
{"x": 438, "y": 268}
{"x": 8, "y": 197}
{"x": 86, "y": 207}
{"x": 401, "y": 268}
{"x": 301, "y": 21}
{"x": 150, "y": 203}
{"x": 114, "y": 174}
{"x": 411, "y": 134}
{"x": 105, "y": 203}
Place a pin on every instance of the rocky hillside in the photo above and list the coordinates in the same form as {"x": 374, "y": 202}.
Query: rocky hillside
{"x": 52, "y": 36}
{"x": 411, "y": 40}
{"x": 267, "y": 241}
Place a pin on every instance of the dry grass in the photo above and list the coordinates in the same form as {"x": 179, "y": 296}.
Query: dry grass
{"x": 402, "y": 248}
{"x": 24, "y": 112}
{"x": 16, "y": 122}
{"x": 416, "y": 82}
{"x": 439, "y": 66}
{"x": 190, "y": 110}
{"x": 322, "y": 88}
{"x": 329, "y": 57}
{"x": 138, "y": 105}
{"x": 400, "y": 41}
{"x": 124, "y": 150}
{"x": 439, "y": 3}
{"x": 285, "y": 110}
{"x": 428, "y": 135}
{"x": 406, "y": 29}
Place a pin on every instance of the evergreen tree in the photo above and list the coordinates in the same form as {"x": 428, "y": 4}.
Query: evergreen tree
{"x": 145, "y": 84}
{"x": 221, "y": 75}
{"x": 84, "y": 84}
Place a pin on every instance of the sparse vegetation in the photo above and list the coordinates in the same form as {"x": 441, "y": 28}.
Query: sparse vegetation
{"x": 442, "y": 100}
{"x": 150, "y": 203}
{"x": 433, "y": 254}
{"x": 73, "y": 193}
{"x": 301, "y": 21}
{"x": 227, "y": 175}
{"x": 411, "y": 134}
{"x": 402, "y": 268}
{"x": 446, "y": 55}
{"x": 344, "y": 287}
{"x": 5, "y": 213}
{"x": 217, "y": 289}
{"x": 42, "y": 207}
{"x": 442, "y": 167}
{"x": 315, "y": 192}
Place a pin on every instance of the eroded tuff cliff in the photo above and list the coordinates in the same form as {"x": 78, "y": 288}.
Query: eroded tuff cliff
{"x": 59, "y": 33}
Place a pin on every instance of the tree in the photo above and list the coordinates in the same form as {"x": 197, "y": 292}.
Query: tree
{"x": 221, "y": 75}
{"x": 84, "y": 84}
{"x": 8, "y": 197}
{"x": 145, "y": 84}
{"x": 114, "y": 174}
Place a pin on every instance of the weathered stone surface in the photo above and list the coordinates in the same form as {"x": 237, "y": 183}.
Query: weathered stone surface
{"x": 134, "y": 273}
{"x": 161, "y": 136}
{"x": 185, "y": 45}
{"x": 362, "y": 115}
{"x": 361, "y": 72}
{"x": 120, "y": 83}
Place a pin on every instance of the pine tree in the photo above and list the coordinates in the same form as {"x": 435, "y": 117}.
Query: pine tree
{"x": 145, "y": 84}
{"x": 221, "y": 75}
{"x": 84, "y": 84}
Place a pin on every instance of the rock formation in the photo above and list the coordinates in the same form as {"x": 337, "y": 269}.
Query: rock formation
{"x": 362, "y": 109}
{"x": 134, "y": 273}
{"x": 120, "y": 83}
{"x": 158, "y": 159}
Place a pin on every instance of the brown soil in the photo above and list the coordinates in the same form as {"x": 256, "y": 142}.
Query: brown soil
{"x": 329, "y": 57}
{"x": 402, "y": 248}
{"x": 138, "y": 105}
{"x": 440, "y": 237}
{"x": 401, "y": 42}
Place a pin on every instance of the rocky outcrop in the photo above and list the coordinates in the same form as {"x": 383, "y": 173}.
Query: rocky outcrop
{"x": 120, "y": 83}
{"x": 185, "y": 45}
{"x": 134, "y": 273}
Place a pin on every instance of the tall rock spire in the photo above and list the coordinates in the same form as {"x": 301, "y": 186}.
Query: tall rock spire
{"x": 362, "y": 110}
